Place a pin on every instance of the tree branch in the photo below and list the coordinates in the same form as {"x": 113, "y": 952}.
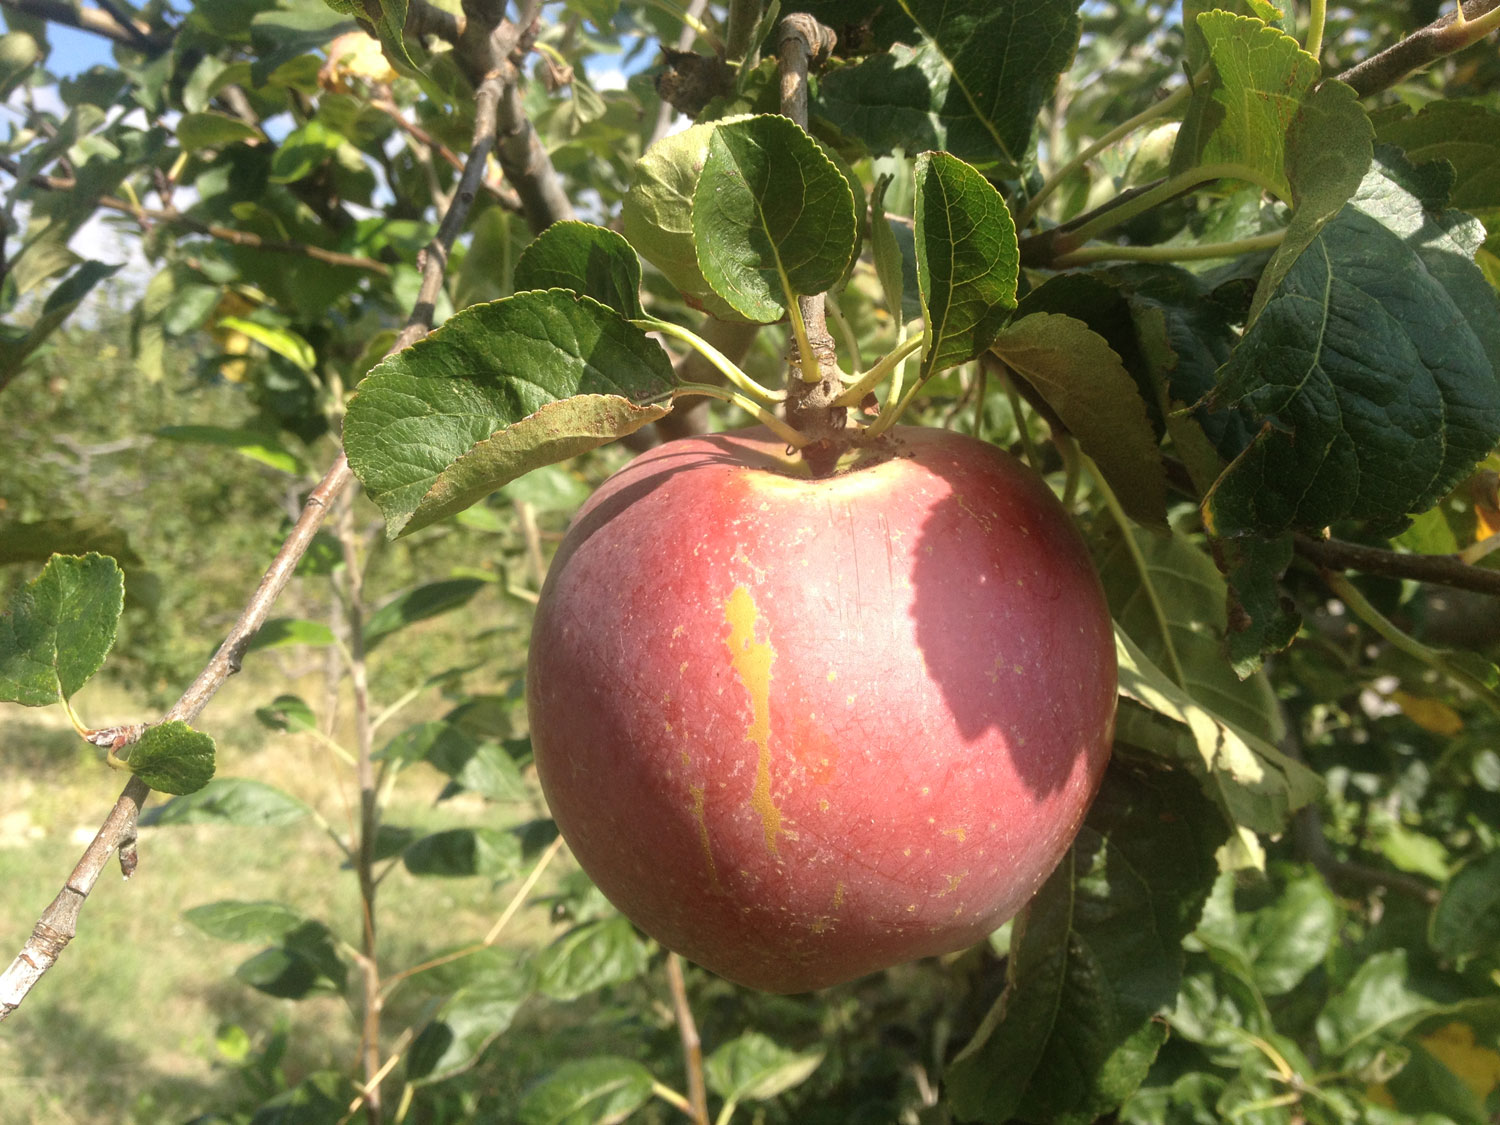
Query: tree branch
{"x": 1440, "y": 570}
{"x": 1443, "y": 36}
{"x": 503, "y": 194}
{"x": 59, "y": 922}
{"x": 97, "y": 21}
{"x": 147, "y": 215}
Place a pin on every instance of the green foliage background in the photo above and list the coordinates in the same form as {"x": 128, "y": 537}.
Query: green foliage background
{"x": 1283, "y": 907}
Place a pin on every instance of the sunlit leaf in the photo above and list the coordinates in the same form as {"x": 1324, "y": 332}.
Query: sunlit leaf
{"x": 967, "y": 260}
{"x": 497, "y": 390}
{"x": 598, "y": 1091}
{"x": 587, "y": 259}
{"x": 241, "y": 801}
{"x": 1083, "y": 380}
{"x": 173, "y": 758}
{"x": 58, "y": 628}
{"x": 773, "y": 218}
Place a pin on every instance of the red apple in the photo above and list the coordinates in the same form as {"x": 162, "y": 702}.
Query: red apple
{"x": 800, "y": 730}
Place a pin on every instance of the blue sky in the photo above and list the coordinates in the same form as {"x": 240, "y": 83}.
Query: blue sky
{"x": 73, "y": 52}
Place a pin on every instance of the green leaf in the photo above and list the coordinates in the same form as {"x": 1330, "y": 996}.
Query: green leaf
{"x": 208, "y": 129}
{"x": 1327, "y": 155}
{"x": 773, "y": 218}
{"x": 58, "y": 629}
{"x": 1371, "y": 370}
{"x": 594, "y": 261}
{"x": 498, "y": 390}
{"x": 60, "y": 304}
{"x": 589, "y": 957}
{"x": 1464, "y": 134}
{"x": 388, "y": 18}
{"x": 1255, "y": 784}
{"x": 282, "y": 341}
{"x": 468, "y": 1022}
{"x": 967, "y": 260}
{"x": 657, "y": 213}
{"x": 307, "y": 960}
{"x": 465, "y": 851}
{"x": 258, "y": 445}
{"x": 1381, "y": 1004}
{"x": 550, "y": 488}
{"x": 281, "y": 34}
{"x": 1430, "y": 1086}
{"x": 419, "y": 604}
{"x": 1094, "y": 960}
{"x": 173, "y": 758}
{"x": 287, "y": 713}
{"x": 598, "y": 1091}
{"x": 1466, "y": 921}
{"x": 1084, "y": 382}
{"x": 886, "y": 250}
{"x": 240, "y": 801}
{"x": 1272, "y": 949}
{"x": 1168, "y": 596}
{"x": 232, "y": 920}
{"x": 1261, "y": 76}
{"x": 755, "y": 1068}
{"x": 282, "y": 631}
{"x": 303, "y": 151}
{"x": 1262, "y": 620}
{"x": 481, "y": 767}
{"x": 973, "y": 86}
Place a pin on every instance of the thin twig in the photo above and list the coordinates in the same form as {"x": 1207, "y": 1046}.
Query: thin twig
{"x": 692, "y": 1046}
{"x": 1440, "y": 570}
{"x": 369, "y": 810}
{"x": 1442, "y": 37}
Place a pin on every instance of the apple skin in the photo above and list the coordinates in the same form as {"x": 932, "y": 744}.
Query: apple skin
{"x": 800, "y": 730}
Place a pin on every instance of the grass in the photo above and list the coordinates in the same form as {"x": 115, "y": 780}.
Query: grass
{"x": 126, "y": 1026}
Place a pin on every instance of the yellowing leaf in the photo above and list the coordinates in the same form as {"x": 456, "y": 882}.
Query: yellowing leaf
{"x": 354, "y": 55}
{"x": 1477, "y": 1067}
{"x": 1430, "y": 714}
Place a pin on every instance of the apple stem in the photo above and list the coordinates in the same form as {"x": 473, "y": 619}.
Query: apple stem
{"x": 1318, "y": 15}
{"x": 872, "y": 378}
{"x": 1014, "y": 398}
{"x": 794, "y": 438}
{"x": 1208, "y": 251}
{"x": 846, "y": 330}
{"x": 1067, "y": 445}
{"x": 722, "y": 363}
{"x": 1167, "y": 190}
{"x": 1436, "y": 659}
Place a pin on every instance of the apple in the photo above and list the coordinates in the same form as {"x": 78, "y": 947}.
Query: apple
{"x": 799, "y": 730}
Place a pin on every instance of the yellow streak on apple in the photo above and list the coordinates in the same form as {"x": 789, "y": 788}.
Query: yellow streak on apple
{"x": 708, "y": 853}
{"x": 752, "y": 661}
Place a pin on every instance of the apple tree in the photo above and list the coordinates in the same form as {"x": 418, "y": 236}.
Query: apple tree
{"x": 1222, "y": 278}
